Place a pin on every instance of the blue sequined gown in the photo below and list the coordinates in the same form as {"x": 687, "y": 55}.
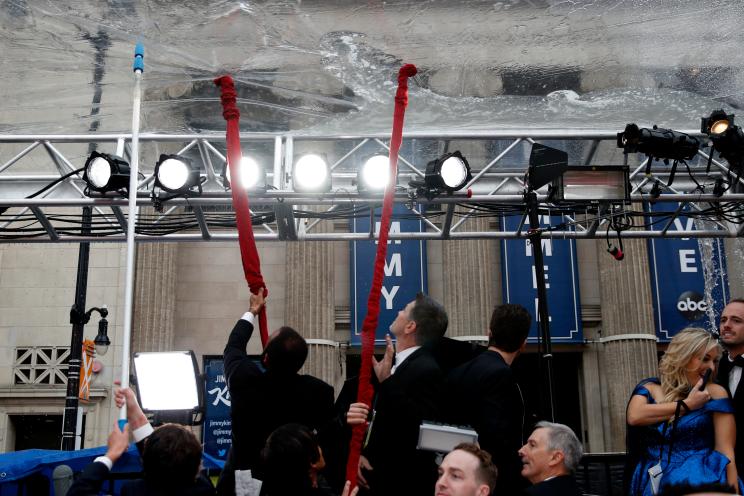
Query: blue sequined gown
{"x": 694, "y": 459}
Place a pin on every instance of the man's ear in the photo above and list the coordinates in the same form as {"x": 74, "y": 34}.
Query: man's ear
{"x": 556, "y": 458}
{"x": 410, "y": 327}
{"x": 483, "y": 490}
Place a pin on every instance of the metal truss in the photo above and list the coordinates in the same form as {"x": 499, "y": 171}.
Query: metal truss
{"x": 30, "y": 163}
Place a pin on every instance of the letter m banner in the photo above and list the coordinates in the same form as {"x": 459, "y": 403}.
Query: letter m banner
{"x": 405, "y": 270}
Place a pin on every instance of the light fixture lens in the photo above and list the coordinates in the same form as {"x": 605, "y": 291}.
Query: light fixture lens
{"x": 311, "y": 172}
{"x": 173, "y": 174}
{"x": 249, "y": 173}
{"x": 376, "y": 172}
{"x": 453, "y": 172}
{"x": 99, "y": 172}
{"x": 719, "y": 127}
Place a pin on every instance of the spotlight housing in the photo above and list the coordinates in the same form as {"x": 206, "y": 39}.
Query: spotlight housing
{"x": 104, "y": 172}
{"x": 658, "y": 143}
{"x": 176, "y": 174}
{"x": 546, "y": 165}
{"x": 252, "y": 175}
{"x": 311, "y": 174}
{"x": 450, "y": 172}
{"x": 374, "y": 174}
{"x": 717, "y": 123}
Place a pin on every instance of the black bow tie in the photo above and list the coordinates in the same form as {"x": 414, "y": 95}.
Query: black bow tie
{"x": 739, "y": 361}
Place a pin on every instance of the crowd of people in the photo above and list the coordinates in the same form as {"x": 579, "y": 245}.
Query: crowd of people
{"x": 290, "y": 434}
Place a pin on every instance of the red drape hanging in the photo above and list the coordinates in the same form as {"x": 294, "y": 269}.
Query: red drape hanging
{"x": 248, "y": 251}
{"x": 366, "y": 391}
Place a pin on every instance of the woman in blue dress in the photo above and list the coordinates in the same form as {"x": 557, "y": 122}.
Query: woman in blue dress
{"x": 699, "y": 446}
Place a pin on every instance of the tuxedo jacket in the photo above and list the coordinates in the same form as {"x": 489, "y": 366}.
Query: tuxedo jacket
{"x": 262, "y": 401}
{"x": 91, "y": 480}
{"x": 409, "y": 396}
{"x": 564, "y": 485}
{"x": 482, "y": 393}
{"x": 722, "y": 378}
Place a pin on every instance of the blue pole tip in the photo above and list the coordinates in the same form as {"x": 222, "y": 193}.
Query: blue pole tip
{"x": 139, "y": 50}
{"x": 122, "y": 423}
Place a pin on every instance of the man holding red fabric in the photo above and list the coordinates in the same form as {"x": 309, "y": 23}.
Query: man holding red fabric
{"x": 270, "y": 394}
{"x": 408, "y": 391}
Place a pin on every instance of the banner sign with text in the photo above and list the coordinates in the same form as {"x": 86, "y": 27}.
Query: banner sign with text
{"x": 405, "y": 271}
{"x": 677, "y": 278}
{"x": 561, "y": 280}
{"x": 217, "y": 431}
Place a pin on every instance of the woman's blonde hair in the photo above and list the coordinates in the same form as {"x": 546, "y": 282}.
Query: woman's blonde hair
{"x": 687, "y": 344}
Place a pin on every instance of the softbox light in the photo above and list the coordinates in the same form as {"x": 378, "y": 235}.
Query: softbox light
{"x": 167, "y": 381}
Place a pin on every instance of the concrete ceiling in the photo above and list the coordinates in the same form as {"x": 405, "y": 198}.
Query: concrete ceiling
{"x": 329, "y": 66}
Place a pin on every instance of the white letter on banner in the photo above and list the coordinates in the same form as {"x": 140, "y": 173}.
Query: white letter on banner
{"x": 534, "y": 277}
{"x": 395, "y": 265}
{"x": 394, "y": 228}
{"x": 687, "y": 261}
{"x": 389, "y": 296}
{"x": 687, "y": 227}
{"x": 545, "y": 244}
{"x": 537, "y": 313}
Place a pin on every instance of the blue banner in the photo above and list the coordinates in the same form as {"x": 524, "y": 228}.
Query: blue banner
{"x": 677, "y": 278}
{"x": 217, "y": 431}
{"x": 405, "y": 271}
{"x": 561, "y": 280}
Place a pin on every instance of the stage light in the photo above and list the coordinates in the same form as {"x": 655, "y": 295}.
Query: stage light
{"x": 594, "y": 183}
{"x": 252, "y": 175}
{"x": 717, "y": 123}
{"x": 727, "y": 138}
{"x": 546, "y": 165}
{"x": 311, "y": 174}
{"x": 657, "y": 143}
{"x": 176, "y": 174}
{"x": 374, "y": 174}
{"x": 450, "y": 172}
{"x": 104, "y": 172}
{"x": 167, "y": 381}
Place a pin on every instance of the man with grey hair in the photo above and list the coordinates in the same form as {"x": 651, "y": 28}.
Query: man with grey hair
{"x": 549, "y": 460}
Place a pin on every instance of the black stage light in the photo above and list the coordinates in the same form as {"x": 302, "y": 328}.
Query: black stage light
{"x": 450, "y": 172}
{"x": 104, "y": 172}
{"x": 176, "y": 174}
{"x": 717, "y": 123}
{"x": 373, "y": 175}
{"x": 727, "y": 138}
{"x": 311, "y": 174}
{"x": 252, "y": 175}
{"x": 658, "y": 143}
{"x": 546, "y": 165}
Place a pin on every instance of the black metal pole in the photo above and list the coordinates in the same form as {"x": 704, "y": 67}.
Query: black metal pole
{"x": 77, "y": 319}
{"x": 543, "y": 316}
{"x": 101, "y": 43}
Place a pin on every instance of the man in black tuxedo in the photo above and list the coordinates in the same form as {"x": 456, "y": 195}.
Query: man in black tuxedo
{"x": 267, "y": 395}
{"x": 483, "y": 393}
{"x": 730, "y": 369}
{"x": 408, "y": 391}
{"x": 549, "y": 459}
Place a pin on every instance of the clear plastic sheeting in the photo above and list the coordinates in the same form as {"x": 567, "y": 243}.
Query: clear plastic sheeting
{"x": 329, "y": 67}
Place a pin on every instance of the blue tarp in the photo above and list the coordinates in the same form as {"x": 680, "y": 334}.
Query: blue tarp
{"x": 21, "y": 464}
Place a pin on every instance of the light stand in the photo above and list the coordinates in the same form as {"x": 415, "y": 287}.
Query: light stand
{"x": 543, "y": 317}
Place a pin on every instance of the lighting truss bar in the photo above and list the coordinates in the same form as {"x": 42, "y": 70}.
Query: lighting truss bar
{"x": 491, "y": 185}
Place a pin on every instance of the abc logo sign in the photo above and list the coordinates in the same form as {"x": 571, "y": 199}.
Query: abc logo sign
{"x": 691, "y": 305}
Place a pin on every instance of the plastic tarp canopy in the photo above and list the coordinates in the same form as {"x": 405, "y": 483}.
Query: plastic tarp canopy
{"x": 329, "y": 66}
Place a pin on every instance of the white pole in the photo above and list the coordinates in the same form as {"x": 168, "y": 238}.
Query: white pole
{"x": 139, "y": 67}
